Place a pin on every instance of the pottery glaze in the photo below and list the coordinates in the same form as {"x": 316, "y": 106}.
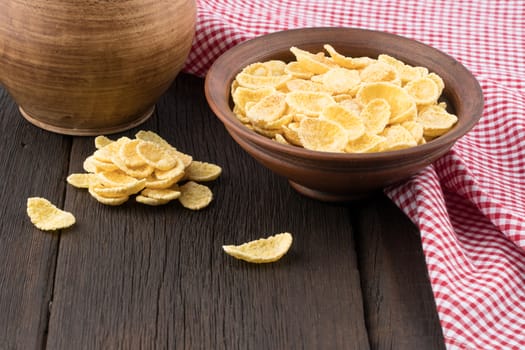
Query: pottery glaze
{"x": 92, "y": 67}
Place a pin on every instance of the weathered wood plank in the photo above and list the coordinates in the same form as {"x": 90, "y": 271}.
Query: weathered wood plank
{"x": 33, "y": 162}
{"x": 156, "y": 277}
{"x": 399, "y": 305}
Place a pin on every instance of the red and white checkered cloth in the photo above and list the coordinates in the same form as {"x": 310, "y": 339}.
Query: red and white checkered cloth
{"x": 469, "y": 205}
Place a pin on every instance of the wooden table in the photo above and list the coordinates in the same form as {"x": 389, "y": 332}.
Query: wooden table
{"x": 139, "y": 277}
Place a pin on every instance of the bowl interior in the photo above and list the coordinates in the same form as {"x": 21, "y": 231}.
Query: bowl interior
{"x": 462, "y": 91}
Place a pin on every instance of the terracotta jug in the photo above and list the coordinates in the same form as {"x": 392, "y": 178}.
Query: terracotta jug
{"x": 92, "y": 67}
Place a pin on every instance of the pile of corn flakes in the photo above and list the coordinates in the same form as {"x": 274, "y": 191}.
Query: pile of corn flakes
{"x": 148, "y": 167}
{"x": 337, "y": 103}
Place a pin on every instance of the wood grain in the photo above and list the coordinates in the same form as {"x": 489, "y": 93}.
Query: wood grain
{"x": 137, "y": 277}
{"x": 399, "y": 305}
{"x": 27, "y": 255}
{"x": 140, "y": 277}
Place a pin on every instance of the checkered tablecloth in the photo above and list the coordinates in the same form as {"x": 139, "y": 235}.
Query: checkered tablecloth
{"x": 470, "y": 204}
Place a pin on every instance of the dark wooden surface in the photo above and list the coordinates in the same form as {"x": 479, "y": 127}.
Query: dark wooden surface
{"x": 138, "y": 277}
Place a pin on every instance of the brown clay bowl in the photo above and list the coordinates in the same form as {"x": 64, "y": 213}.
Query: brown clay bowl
{"x": 342, "y": 176}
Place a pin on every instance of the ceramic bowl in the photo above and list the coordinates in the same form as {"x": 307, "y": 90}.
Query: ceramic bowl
{"x": 342, "y": 176}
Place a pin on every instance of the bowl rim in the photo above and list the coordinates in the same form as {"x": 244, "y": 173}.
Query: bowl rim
{"x": 249, "y": 51}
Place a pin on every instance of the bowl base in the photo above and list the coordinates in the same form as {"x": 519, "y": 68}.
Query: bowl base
{"x": 88, "y": 131}
{"x": 328, "y": 196}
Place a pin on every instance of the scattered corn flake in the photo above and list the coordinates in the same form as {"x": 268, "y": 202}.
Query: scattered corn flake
{"x": 155, "y": 155}
{"x": 270, "y": 133}
{"x": 113, "y": 201}
{"x": 105, "y": 153}
{"x": 263, "y": 250}
{"x": 117, "y": 191}
{"x": 166, "y": 194}
{"x": 46, "y": 216}
{"x": 93, "y": 165}
{"x": 352, "y": 105}
{"x": 117, "y": 173}
{"x": 102, "y": 141}
{"x": 155, "y": 138}
{"x": 279, "y": 123}
{"x": 115, "y": 178}
{"x": 136, "y": 172}
{"x": 128, "y": 153}
{"x": 195, "y": 196}
{"x": 392, "y": 61}
{"x": 155, "y": 183}
{"x": 202, "y": 171}
{"x": 150, "y": 201}
{"x": 81, "y": 180}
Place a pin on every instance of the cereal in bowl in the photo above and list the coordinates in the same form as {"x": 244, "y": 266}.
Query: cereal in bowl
{"x": 335, "y": 103}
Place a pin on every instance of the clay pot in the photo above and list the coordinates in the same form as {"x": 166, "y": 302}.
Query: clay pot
{"x": 92, "y": 67}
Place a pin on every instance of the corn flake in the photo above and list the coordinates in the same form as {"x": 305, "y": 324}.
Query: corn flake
{"x": 322, "y": 135}
{"x": 46, "y": 216}
{"x": 376, "y": 115}
{"x": 128, "y": 153}
{"x": 347, "y": 62}
{"x": 267, "y": 110}
{"x": 81, "y": 180}
{"x": 340, "y": 80}
{"x": 308, "y": 102}
{"x": 263, "y": 250}
{"x": 102, "y": 141}
{"x": 397, "y": 137}
{"x": 436, "y": 120}
{"x": 365, "y": 144}
{"x": 315, "y": 63}
{"x": 166, "y": 194}
{"x": 352, "y": 123}
{"x": 295, "y": 69}
{"x": 195, "y": 196}
{"x": 202, "y": 171}
{"x": 113, "y": 201}
{"x": 424, "y": 91}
